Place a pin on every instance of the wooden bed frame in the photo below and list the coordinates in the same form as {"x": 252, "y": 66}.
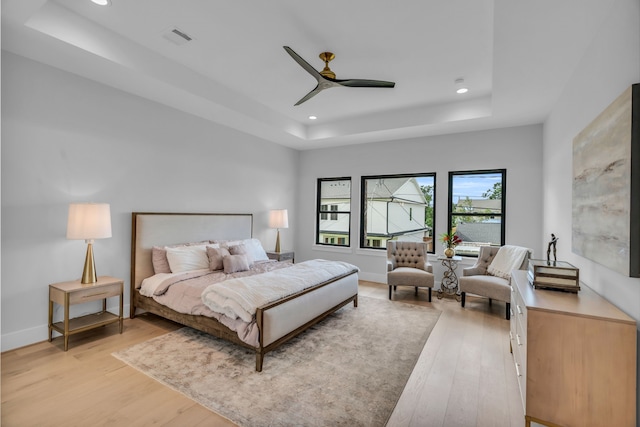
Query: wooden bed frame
{"x": 150, "y": 229}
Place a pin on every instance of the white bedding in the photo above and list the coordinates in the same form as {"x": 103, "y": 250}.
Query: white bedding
{"x": 150, "y": 284}
{"x": 240, "y": 297}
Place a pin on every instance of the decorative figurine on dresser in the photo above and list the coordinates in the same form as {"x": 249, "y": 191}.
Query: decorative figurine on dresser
{"x": 552, "y": 244}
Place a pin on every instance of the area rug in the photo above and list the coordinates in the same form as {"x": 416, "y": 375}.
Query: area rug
{"x": 348, "y": 370}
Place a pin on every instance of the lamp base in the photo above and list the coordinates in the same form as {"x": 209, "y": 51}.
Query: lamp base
{"x": 89, "y": 272}
{"x": 278, "y": 242}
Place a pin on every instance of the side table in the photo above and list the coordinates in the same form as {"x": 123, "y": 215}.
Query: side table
{"x": 449, "y": 284}
{"x": 69, "y": 293}
{"x": 281, "y": 256}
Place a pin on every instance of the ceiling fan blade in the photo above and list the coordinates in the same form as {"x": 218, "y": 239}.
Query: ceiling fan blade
{"x": 364, "y": 83}
{"x": 310, "y": 95}
{"x": 304, "y": 64}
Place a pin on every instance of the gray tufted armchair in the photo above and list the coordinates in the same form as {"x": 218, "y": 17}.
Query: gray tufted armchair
{"x": 477, "y": 281}
{"x": 407, "y": 265}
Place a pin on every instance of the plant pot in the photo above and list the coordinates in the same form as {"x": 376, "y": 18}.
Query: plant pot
{"x": 449, "y": 252}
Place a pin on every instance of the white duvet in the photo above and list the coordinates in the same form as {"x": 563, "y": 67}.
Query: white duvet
{"x": 241, "y": 297}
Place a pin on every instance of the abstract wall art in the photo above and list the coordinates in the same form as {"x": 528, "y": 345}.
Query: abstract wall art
{"x": 606, "y": 187}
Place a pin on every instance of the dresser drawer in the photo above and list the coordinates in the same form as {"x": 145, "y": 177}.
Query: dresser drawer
{"x": 520, "y": 311}
{"x": 521, "y": 376}
{"x": 93, "y": 293}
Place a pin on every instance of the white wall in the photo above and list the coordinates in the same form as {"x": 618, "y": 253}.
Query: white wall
{"x": 517, "y": 149}
{"x": 67, "y": 139}
{"x": 611, "y": 64}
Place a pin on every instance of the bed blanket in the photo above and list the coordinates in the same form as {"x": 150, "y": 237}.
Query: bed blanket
{"x": 241, "y": 297}
{"x": 182, "y": 292}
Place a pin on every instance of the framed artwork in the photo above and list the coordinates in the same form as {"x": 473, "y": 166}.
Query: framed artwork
{"x": 606, "y": 187}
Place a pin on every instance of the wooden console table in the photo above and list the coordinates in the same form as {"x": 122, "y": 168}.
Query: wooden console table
{"x": 575, "y": 357}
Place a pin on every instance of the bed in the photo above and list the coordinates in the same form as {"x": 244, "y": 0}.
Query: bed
{"x": 275, "y": 322}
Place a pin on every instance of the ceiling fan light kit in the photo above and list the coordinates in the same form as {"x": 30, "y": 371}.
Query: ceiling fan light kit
{"x": 327, "y": 78}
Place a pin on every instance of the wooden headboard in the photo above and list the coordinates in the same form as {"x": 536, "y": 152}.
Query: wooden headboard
{"x": 149, "y": 229}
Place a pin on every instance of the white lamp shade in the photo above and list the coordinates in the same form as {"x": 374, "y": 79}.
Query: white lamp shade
{"x": 279, "y": 218}
{"x": 89, "y": 221}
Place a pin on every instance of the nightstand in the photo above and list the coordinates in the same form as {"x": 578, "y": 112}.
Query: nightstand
{"x": 67, "y": 294}
{"x": 281, "y": 256}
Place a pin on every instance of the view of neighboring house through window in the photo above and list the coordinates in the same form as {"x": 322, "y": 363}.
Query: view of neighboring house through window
{"x": 334, "y": 211}
{"x": 397, "y": 207}
{"x": 476, "y": 209}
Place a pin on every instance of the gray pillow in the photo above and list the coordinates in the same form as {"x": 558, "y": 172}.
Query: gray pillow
{"x": 215, "y": 257}
{"x": 235, "y": 263}
{"x": 241, "y": 249}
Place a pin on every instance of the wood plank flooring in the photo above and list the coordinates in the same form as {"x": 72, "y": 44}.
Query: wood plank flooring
{"x": 464, "y": 376}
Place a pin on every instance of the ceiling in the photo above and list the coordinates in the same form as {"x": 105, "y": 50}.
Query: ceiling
{"x": 514, "y": 56}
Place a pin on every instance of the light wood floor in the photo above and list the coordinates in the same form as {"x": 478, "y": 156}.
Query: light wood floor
{"x": 464, "y": 376}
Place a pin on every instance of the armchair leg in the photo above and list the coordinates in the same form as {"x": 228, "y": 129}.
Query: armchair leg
{"x": 462, "y": 295}
{"x": 508, "y": 311}
{"x": 489, "y": 301}
{"x": 416, "y": 294}
{"x": 390, "y": 287}
{"x": 429, "y": 294}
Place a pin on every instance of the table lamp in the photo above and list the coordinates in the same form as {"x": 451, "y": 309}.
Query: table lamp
{"x": 278, "y": 219}
{"x": 89, "y": 221}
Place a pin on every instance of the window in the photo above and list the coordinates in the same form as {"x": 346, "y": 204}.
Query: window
{"x": 334, "y": 211}
{"x": 397, "y": 207}
{"x": 476, "y": 209}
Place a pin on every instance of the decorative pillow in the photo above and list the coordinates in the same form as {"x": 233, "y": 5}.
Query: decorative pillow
{"x": 241, "y": 249}
{"x": 215, "y": 255}
{"x": 227, "y": 243}
{"x": 255, "y": 249}
{"x": 159, "y": 256}
{"x": 235, "y": 263}
{"x": 159, "y": 260}
{"x": 187, "y": 258}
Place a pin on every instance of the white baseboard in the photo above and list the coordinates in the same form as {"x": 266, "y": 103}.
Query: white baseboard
{"x": 372, "y": 277}
{"x": 37, "y": 334}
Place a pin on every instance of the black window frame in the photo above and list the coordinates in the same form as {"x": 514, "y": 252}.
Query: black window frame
{"x": 363, "y": 207}
{"x": 328, "y": 213}
{"x": 503, "y": 213}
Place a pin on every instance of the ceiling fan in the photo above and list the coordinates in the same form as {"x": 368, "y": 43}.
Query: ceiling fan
{"x": 327, "y": 78}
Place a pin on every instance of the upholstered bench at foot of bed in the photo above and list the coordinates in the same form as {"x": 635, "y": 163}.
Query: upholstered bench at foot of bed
{"x": 283, "y": 320}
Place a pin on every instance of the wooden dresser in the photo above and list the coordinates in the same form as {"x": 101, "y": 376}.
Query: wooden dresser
{"x": 575, "y": 357}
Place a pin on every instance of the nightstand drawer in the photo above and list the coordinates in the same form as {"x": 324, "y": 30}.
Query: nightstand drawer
{"x": 67, "y": 294}
{"x": 92, "y": 293}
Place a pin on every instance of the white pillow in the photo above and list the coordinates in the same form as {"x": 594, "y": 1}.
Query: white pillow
{"x": 255, "y": 249}
{"x": 187, "y": 258}
{"x": 253, "y": 246}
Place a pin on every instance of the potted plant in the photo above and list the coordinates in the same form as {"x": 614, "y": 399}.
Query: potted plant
{"x": 450, "y": 241}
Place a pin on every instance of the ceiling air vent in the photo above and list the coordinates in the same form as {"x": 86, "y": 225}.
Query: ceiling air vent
{"x": 176, "y": 36}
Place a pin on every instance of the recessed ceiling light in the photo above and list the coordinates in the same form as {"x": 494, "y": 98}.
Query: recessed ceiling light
{"x": 102, "y": 2}
{"x": 460, "y": 86}
{"x": 312, "y": 117}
